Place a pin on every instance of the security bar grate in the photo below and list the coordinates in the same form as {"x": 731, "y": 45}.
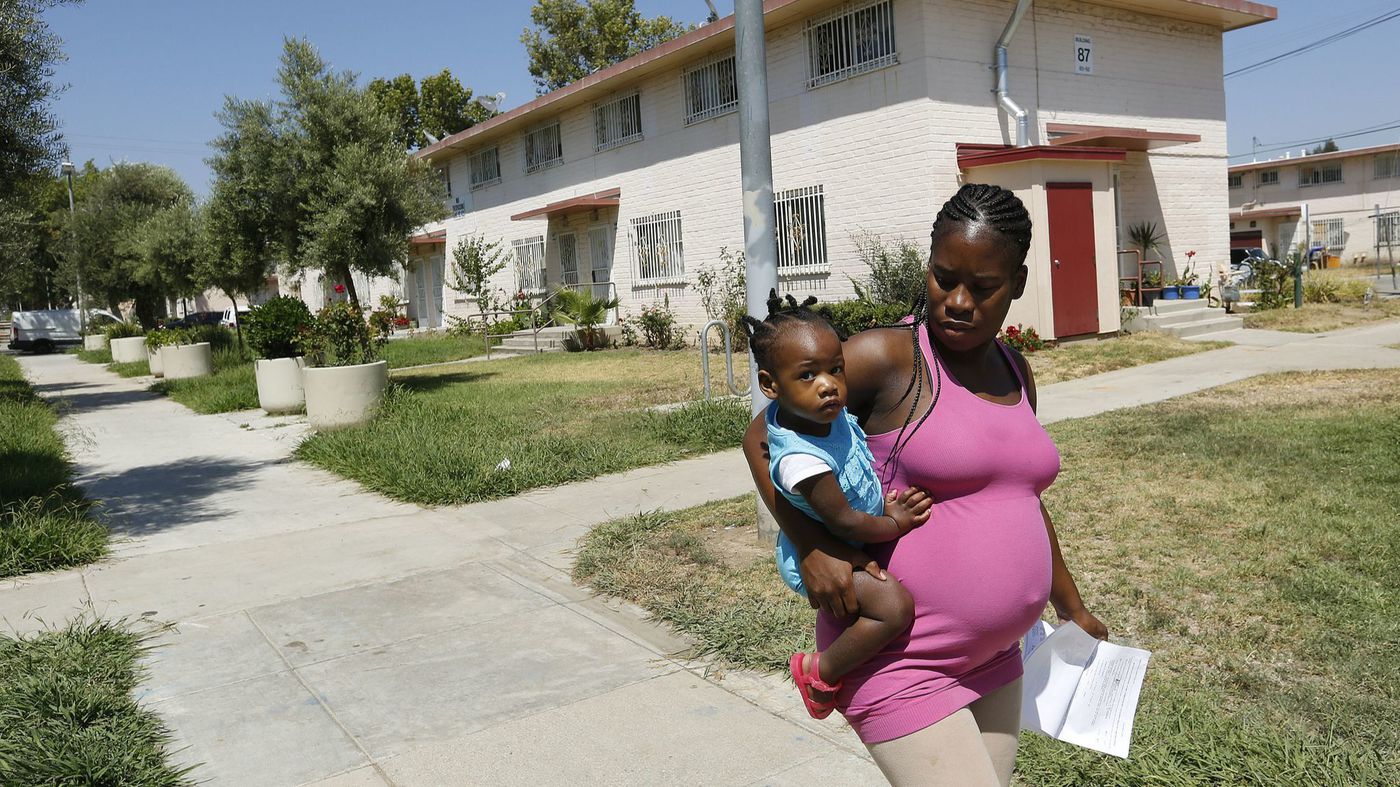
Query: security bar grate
{"x": 801, "y": 230}
{"x": 850, "y": 41}
{"x": 485, "y": 167}
{"x": 529, "y": 263}
{"x": 711, "y": 89}
{"x": 657, "y": 257}
{"x": 543, "y": 148}
{"x": 618, "y": 122}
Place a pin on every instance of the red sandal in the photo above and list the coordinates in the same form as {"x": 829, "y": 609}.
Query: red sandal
{"x": 811, "y": 679}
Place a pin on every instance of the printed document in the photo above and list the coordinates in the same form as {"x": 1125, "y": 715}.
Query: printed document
{"x": 1079, "y": 689}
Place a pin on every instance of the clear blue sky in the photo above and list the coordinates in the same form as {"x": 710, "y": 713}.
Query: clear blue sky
{"x": 146, "y": 76}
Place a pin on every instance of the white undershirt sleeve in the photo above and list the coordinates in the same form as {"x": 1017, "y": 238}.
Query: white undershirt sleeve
{"x": 793, "y": 469}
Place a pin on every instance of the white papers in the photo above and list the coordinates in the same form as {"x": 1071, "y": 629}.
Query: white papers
{"x": 1080, "y": 690}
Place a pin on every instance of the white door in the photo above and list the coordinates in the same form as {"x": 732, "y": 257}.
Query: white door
{"x": 600, "y": 242}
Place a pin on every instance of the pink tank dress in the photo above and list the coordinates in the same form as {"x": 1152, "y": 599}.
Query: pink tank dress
{"x": 979, "y": 570}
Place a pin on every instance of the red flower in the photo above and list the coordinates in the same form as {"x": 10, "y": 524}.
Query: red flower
{"x": 339, "y": 288}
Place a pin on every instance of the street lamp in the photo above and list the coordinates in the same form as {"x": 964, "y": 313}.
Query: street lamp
{"x": 67, "y": 169}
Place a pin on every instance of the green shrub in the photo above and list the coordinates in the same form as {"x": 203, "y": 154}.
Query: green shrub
{"x": 218, "y": 337}
{"x": 1020, "y": 338}
{"x": 122, "y": 330}
{"x": 656, "y": 327}
{"x": 273, "y": 329}
{"x": 161, "y": 337}
{"x": 1321, "y": 290}
{"x": 339, "y": 336}
{"x": 898, "y": 270}
{"x": 723, "y": 294}
{"x": 503, "y": 327}
{"x": 1274, "y": 281}
{"x": 852, "y": 317}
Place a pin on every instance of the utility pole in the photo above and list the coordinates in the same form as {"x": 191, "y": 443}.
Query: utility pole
{"x": 756, "y": 167}
{"x": 67, "y": 169}
{"x": 1303, "y": 261}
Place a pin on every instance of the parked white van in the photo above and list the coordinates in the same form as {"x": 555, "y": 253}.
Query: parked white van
{"x": 46, "y": 330}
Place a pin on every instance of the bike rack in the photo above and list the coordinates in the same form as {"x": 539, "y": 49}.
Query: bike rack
{"x": 704, "y": 344}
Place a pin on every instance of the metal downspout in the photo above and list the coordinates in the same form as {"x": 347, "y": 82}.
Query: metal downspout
{"x": 1003, "y": 96}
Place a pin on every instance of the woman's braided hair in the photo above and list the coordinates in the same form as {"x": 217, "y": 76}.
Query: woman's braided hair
{"x": 783, "y": 312}
{"x": 974, "y": 204}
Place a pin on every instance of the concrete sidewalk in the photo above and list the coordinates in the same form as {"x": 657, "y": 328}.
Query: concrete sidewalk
{"x": 325, "y": 635}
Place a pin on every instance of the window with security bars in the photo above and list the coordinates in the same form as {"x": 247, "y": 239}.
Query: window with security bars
{"x": 445, "y": 175}
{"x": 543, "y": 148}
{"x": 1330, "y": 232}
{"x": 529, "y": 263}
{"x": 1388, "y": 229}
{"x": 1313, "y": 176}
{"x": 568, "y": 258}
{"x": 618, "y": 122}
{"x": 657, "y": 256}
{"x": 711, "y": 89}
{"x": 852, "y": 40}
{"x": 1268, "y": 177}
{"x": 485, "y": 167}
{"x": 1387, "y": 166}
{"x": 801, "y": 230}
{"x": 1236, "y": 180}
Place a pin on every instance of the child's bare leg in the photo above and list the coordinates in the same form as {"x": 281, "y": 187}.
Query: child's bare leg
{"x": 886, "y": 610}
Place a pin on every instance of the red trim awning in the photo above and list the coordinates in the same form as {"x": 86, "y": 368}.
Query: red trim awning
{"x": 1266, "y": 213}
{"x": 972, "y": 155}
{"x": 608, "y": 198}
{"x": 427, "y": 238}
{"x": 1136, "y": 139}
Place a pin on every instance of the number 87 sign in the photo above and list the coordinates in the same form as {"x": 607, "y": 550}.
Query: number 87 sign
{"x": 1083, "y": 54}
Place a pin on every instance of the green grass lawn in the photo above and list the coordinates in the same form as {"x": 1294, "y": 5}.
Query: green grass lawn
{"x": 67, "y": 715}
{"x": 1320, "y": 317}
{"x": 1246, "y": 536}
{"x": 430, "y": 348}
{"x": 557, "y": 418}
{"x": 44, "y": 522}
{"x": 1081, "y": 359}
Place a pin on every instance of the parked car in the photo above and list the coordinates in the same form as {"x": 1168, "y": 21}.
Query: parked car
{"x": 230, "y": 318}
{"x": 1239, "y": 258}
{"x": 46, "y": 330}
{"x": 196, "y": 318}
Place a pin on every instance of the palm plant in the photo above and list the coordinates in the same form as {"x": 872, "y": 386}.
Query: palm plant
{"x": 1145, "y": 237}
{"x": 581, "y": 308}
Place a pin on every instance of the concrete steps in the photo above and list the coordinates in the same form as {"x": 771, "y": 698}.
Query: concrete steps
{"x": 552, "y": 339}
{"x": 1186, "y": 318}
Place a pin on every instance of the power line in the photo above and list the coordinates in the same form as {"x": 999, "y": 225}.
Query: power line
{"x": 1315, "y": 140}
{"x": 1321, "y": 42}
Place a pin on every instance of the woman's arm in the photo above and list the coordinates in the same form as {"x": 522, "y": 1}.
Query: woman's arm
{"x": 826, "y": 563}
{"x": 1064, "y": 593}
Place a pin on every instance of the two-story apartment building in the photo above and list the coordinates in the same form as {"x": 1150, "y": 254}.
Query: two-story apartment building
{"x": 629, "y": 179}
{"x": 1342, "y": 190}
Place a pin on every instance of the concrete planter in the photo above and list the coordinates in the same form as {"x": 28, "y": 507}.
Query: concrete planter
{"x": 95, "y": 341}
{"x": 154, "y": 361}
{"x": 279, "y": 384}
{"x": 183, "y": 361}
{"x": 338, "y": 396}
{"x": 129, "y": 350}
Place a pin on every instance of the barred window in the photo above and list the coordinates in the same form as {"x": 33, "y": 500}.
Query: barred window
{"x": 1387, "y": 166}
{"x": 618, "y": 122}
{"x": 543, "y": 148}
{"x": 1330, "y": 232}
{"x": 1388, "y": 229}
{"x": 529, "y": 263}
{"x": 1268, "y": 177}
{"x": 568, "y": 258}
{"x": 1322, "y": 173}
{"x": 445, "y": 175}
{"x": 1236, "y": 180}
{"x": 711, "y": 89}
{"x": 851, "y": 40}
{"x": 657, "y": 256}
{"x": 801, "y": 230}
{"x": 485, "y": 167}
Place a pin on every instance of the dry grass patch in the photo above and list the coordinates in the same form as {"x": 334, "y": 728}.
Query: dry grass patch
{"x": 1082, "y": 359}
{"x": 1246, "y": 535}
{"x": 1320, "y": 317}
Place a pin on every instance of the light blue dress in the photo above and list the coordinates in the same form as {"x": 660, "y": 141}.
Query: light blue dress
{"x": 845, "y": 452}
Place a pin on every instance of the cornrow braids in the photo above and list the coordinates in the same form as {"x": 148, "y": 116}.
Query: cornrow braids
{"x": 994, "y": 206}
{"x": 783, "y": 312}
{"x": 916, "y": 386}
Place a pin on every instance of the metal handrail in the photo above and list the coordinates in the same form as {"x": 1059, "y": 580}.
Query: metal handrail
{"x": 703, "y": 342}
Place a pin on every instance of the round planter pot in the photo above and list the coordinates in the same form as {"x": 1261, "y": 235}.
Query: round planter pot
{"x": 153, "y": 359}
{"x": 183, "y": 361}
{"x": 1191, "y": 292}
{"x": 279, "y": 385}
{"x": 1169, "y": 294}
{"x": 95, "y": 341}
{"x": 338, "y": 396}
{"x": 129, "y": 350}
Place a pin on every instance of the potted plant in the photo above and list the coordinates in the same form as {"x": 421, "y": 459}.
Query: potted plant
{"x": 190, "y": 352}
{"x": 1145, "y": 237}
{"x": 274, "y": 330}
{"x": 1151, "y": 284}
{"x": 157, "y": 338}
{"x": 344, "y": 380}
{"x": 127, "y": 342}
{"x": 586, "y": 312}
{"x": 1190, "y": 290}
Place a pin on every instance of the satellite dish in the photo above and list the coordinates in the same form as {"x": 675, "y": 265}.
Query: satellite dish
{"x": 491, "y": 103}
{"x": 432, "y": 140}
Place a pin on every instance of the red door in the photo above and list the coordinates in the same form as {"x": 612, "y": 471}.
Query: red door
{"x": 1074, "y": 287}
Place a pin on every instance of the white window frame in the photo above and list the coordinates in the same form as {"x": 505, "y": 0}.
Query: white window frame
{"x": 1236, "y": 180}
{"x": 711, "y": 88}
{"x": 1317, "y": 174}
{"x": 836, "y": 36}
{"x": 540, "y": 141}
{"x": 1268, "y": 177}
{"x": 568, "y": 277}
{"x": 800, "y": 227}
{"x": 1388, "y": 229}
{"x": 529, "y": 263}
{"x": 485, "y": 167}
{"x": 617, "y": 122}
{"x": 1334, "y": 231}
{"x": 1387, "y": 165}
{"x": 658, "y": 255}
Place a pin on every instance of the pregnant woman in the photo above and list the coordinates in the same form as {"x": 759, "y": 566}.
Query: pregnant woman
{"x": 951, "y": 410}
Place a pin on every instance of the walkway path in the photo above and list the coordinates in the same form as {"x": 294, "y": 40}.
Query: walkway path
{"x": 325, "y": 635}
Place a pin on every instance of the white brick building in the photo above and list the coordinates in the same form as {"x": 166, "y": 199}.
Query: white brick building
{"x": 879, "y": 110}
{"x": 1342, "y": 191}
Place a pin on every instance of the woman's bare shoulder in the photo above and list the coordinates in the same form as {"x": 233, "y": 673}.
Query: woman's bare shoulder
{"x": 878, "y": 350}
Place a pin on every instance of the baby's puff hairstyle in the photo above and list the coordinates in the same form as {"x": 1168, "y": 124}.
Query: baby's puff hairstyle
{"x": 784, "y": 312}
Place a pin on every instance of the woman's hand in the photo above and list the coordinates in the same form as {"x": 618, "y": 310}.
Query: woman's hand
{"x": 827, "y": 573}
{"x": 1085, "y": 620}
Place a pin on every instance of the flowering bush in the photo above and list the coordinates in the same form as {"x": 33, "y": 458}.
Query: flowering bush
{"x": 1025, "y": 340}
{"x": 340, "y": 336}
{"x": 657, "y": 327}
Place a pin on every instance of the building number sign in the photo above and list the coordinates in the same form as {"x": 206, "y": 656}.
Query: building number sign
{"x": 1083, "y": 55}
